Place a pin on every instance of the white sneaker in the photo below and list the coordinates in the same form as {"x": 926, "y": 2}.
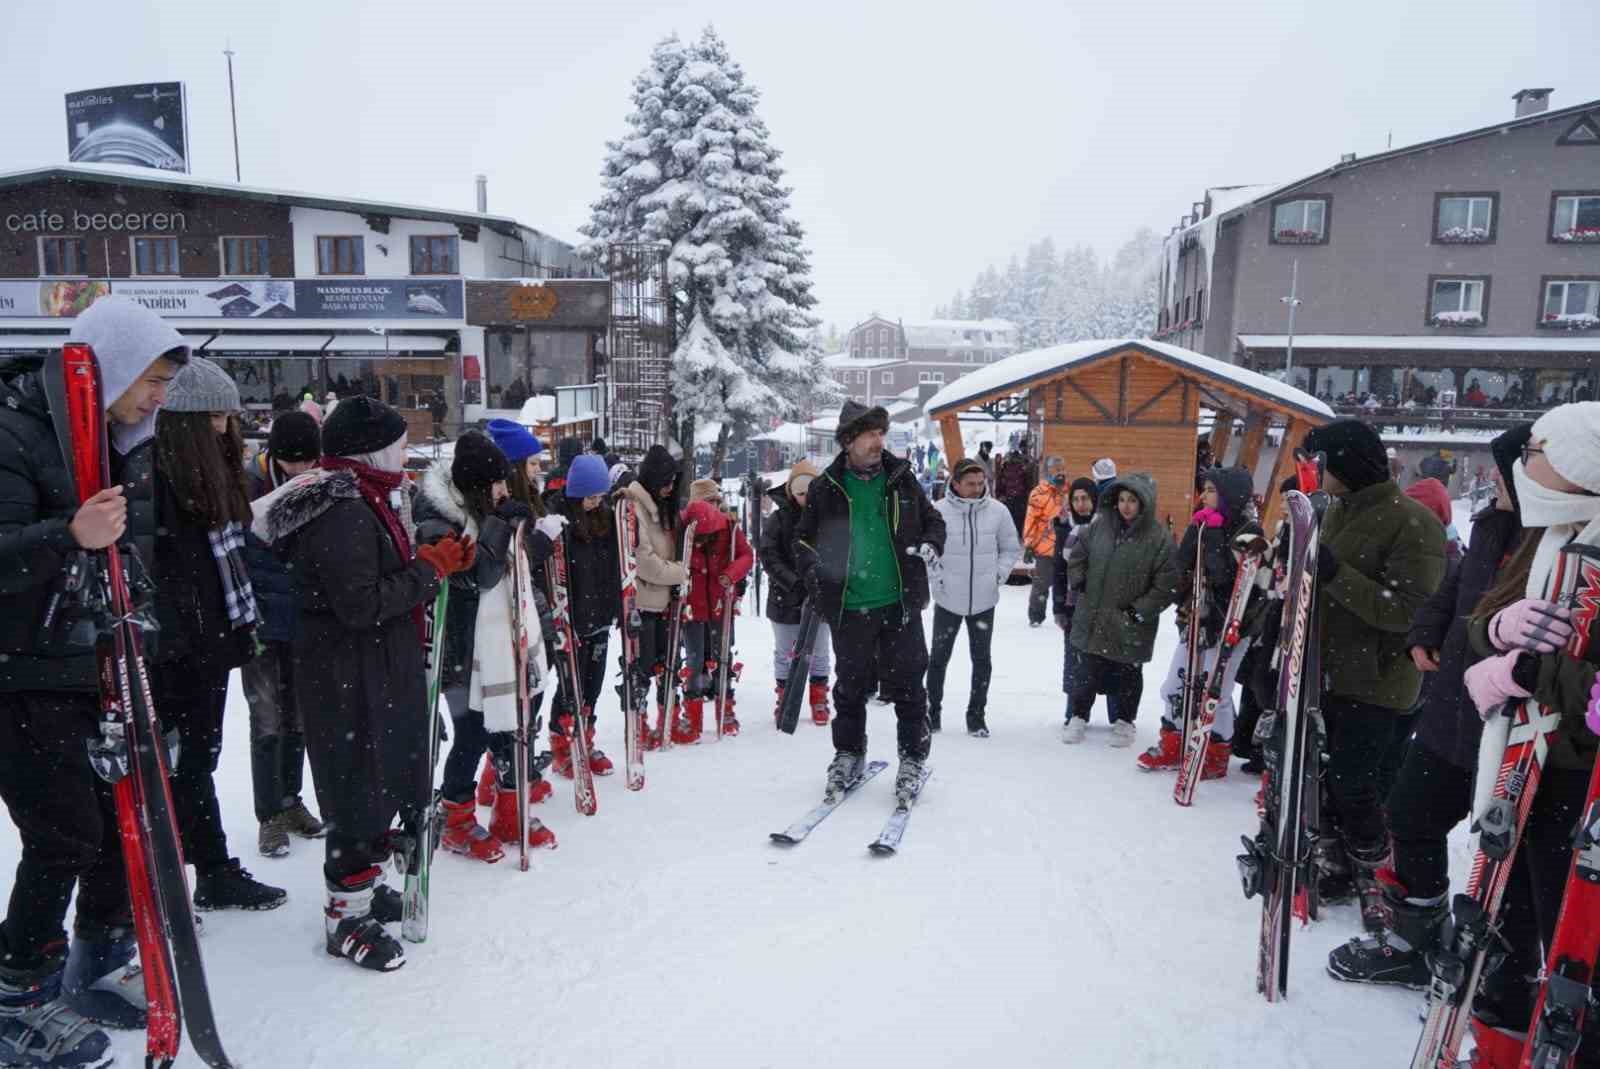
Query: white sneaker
{"x": 1123, "y": 733}
{"x": 1074, "y": 730}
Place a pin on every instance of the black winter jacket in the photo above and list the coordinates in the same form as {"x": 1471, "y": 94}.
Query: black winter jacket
{"x": 276, "y": 600}
{"x": 190, "y": 607}
{"x": 822, "y": 537}
{"x": 594, "y": 571}
{"x": 786, "y": 593}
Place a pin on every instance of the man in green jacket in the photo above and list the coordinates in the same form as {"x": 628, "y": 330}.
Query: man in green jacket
{"x": 1381, "y": 556}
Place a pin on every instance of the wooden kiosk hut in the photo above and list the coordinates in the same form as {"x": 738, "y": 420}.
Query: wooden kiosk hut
{"x": 1142, "y": 404}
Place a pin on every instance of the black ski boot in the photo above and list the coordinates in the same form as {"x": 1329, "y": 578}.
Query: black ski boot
{"x": 388, "y": 905}
{"x": 103, "y": 982}
{"x": 38, "y": 1030}
{"x": 229, "y": 886}
{"x": 908, "y": 779}
{"x": 1397, "y": 955}
{"x": 843, "y": 770}
{"x": 353, "y": 930}
{"x": 1366, "y": 862}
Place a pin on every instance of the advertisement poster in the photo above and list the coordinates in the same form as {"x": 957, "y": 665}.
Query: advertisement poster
{"x": 138, "y": 125}
{"x": 212, "y": 297}
{"x": 370, "y": 298}
{"x": 241, "y": 298}
{"x": 57, "y": 299}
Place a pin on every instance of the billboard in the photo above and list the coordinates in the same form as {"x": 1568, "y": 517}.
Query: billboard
{"x": 242, "y": 298}
{"x": 142, "y": 125}
{"x": 376, "y": 298}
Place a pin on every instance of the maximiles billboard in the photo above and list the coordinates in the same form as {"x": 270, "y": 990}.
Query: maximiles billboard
{"x": 243, "y": 298}
{"x": 142, "y": 125}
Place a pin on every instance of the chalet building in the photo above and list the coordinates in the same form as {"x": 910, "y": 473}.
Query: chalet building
{"x": 882, "y": 360}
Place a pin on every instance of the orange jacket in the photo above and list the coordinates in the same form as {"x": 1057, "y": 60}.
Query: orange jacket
{"x": 1038, "y": 532}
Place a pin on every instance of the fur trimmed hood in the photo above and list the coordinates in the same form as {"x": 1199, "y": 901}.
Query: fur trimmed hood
{"x": 438, "y": 489}
{"x": 299, "y": 501}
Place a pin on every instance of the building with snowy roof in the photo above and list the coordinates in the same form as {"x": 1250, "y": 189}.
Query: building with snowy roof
{"x": 1459, "y": 273}
{"x": 884, "y": 358}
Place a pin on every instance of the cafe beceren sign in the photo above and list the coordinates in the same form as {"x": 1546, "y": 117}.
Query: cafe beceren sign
{"x": 45, "y": 221}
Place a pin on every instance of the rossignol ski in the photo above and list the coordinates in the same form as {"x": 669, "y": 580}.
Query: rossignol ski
{"x": 677, "y": 614}
{"x": 131, "y": 752}
{"x": 532, "y": 671}
{"x": 633, "y": 703}
{"x": 794, "y": 693}
{"x": 566, "y": 646}
{"x": 1520, "y": 734}
{"x": 894, "y": 829}
{"x": 415, "y": 854}
{"x": 797, "y": 831}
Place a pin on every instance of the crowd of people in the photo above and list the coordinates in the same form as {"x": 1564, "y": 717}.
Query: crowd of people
{"x": 310, "y": 566}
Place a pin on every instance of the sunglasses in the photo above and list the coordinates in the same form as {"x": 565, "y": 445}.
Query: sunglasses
{"x": 1528, "y": 451}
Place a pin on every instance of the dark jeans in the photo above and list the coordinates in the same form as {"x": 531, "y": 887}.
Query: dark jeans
{"x": 67, "y": 822}
{"x": 1358, "y": 736}
{"x": 591, "y": 656}
{"x": 980, "y": 634}
{"x": 1044, "y": 572}
{"x": 1430, "y": 796}
{"x": 277, "y": 740}
{"x": 883, "y": 647}
{"x": 1122, "y": 684}
{"x": 191, "y": 698}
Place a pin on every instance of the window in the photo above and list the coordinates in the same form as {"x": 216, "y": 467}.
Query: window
{"x": 886, "y": 378}
{"x": 63, "y": 256}
{"x": 1186, "y": 309}
{"x": 244, "y": 256}
{"x": 341, "y": 256}
{"x": 155, "y": 256}
{"x": 931, "y": 376}
{"x": 1458, "y": 302}
{"x": 434, "y": 255}
{"x": 1300, "y": 222}
{"x": 1571, "y": 304}
{"x": 1586, "y": 131}
{"x": 1199, "y": 305}
{"x": 1464, "y": 218}
{"x": 1575, "y": 217}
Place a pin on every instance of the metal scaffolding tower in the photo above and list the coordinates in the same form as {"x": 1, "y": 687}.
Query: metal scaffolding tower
{"x": 639, "y": 347}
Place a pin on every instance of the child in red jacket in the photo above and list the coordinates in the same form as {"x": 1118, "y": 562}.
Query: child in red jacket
{"x": 720, "y": 560}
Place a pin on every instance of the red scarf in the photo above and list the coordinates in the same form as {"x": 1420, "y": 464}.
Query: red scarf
{"x": 375, "y": 487}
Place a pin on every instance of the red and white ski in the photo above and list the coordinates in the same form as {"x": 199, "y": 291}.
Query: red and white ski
{"x": 633, "y": 703}
{"x": 566, "y": 645}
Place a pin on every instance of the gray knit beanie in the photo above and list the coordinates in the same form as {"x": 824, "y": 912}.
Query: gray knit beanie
{"x": 202, "y": 386}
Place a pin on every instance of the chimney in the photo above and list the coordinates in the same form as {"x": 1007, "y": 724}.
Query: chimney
{"x": 483, "y": 194}
{"x": 1531, "y": 101}
{"x": 1347, "y": 157}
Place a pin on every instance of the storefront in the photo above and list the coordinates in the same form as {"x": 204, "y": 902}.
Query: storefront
{"x": 534, "y": 337}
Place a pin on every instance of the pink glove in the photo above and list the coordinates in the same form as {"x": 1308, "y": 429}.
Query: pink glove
{"x": 1208, "y": 518}
{"x": 1531, "y": 624}
{"x": 1490, "y": 683}
{"x": 1593, "y": 717}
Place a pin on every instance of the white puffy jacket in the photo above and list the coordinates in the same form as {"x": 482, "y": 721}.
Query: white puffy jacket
{"x": 980, "y": 549}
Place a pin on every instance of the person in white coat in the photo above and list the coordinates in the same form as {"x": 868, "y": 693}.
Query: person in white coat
{"x": 981, "y": 547}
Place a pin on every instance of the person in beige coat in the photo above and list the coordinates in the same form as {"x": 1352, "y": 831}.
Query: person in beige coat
{"x": 654, "y": 496}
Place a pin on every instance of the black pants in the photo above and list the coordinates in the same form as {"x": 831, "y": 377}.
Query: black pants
{"x": 471, "y": 739}
{"x": 277, "y": 740}
{"x": 1394, "y": 754}
{"x": 885, "y": 647}
{"x": 652, "y": 658}
{"x": 1430, "y": 796}
{"x": 980, "y": 634}
{"x": 1122, "y": 684}
{"x": 67, "y": 822}
{"x": 1044, "y": 572}
{"x": 1358, "y": 736}
{"x": 191, "y": 697}
{"x": 1244, "y": 724}
{"x": 591, "y": 656}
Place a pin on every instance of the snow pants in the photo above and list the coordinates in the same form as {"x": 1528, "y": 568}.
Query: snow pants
{"x": 191, "y": 698}
{"x": 1358, "y": 736}
{"x": 980, "y": 636}
{"x": 1172, "y": 686}
{"x": 277, "y": 740}
{"x": 1122, "y": 684}
{"x": 784, "y": 637}
{"x": 886, "y": 647}
{"x": 1430, "y": 796}
{"x": 67, "y": 821}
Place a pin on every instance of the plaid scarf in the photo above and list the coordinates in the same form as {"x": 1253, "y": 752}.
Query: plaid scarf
{"x": 227, "y": 547}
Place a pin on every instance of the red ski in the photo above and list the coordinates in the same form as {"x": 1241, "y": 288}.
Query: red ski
{"x": 566, "y": 645}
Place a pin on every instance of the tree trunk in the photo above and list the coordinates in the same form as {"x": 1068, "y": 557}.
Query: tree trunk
{"x": 720, "y": 452}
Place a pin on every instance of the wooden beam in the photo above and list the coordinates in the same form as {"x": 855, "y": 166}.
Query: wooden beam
{"x": 1090, "y": 398}
{"x": 1158, "y": 395}
{"x": 1293, "y": 434}
{"x": 1122, "y": 391}
{"x": 1255, "y": 434}
{"x": 1221, "y": 436}
{"x": 950, "y": 428}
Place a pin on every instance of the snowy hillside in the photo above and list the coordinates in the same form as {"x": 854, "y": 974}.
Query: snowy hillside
{"x": 1050, "y": 906}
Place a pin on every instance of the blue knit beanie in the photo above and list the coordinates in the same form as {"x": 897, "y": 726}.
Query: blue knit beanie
{"x": 587, "y": 476}
{"x": 514, "y": 440}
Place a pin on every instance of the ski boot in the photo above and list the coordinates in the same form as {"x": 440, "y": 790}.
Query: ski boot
{"x": 777, "y": 708}
{"x": 465, "y": 836}
{"x": 561, "y": 747}
{"x": 103, "y": 982}
{"x": 1397, "y": 955}
{"x": 228, "y": 886}
{"x": 1215, "y": 763}
{"x": 730, "y": 719}
{"x": 539, "y": 789}
{"x": 686, "y": 732}
{"x": 1494, "y": 1048}
{"x": 819, "y": 700}
{"x": 1365, "y": 864}
{"x": 599, "y": 763}
{"x": 503, "y": 825}
{"x": 1166, "y": 754}
{"x": 39, "y": 1030}
{"x": 488, "y": 783}
{"x": 353, "y": 932}
{"x": 908, "y": 779}
{"x": 843, "y": 770}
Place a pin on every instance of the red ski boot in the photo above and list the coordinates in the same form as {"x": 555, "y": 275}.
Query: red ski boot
{"x": 503, "y": 826}
{"x": 1495, "y": 1048}
{"x": 599, "y": 763}
{"x": 1215, "y": 763}
{"x": 488, "y": 782}
{"x": 730, "y": 719}
{"x": 464, "y": 835}
{"x": 649, "y": 737}
{"x": 686, "y": 732}
{"x": 819, "y": 701}
{"x": 539, "y": 790}
{"x": 561, "y": 747}
{"x": 777, "y": 710}
{"x": 1166, "y": 754}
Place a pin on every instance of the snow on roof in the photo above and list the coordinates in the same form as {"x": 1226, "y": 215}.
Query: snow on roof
{"x": 944, "y": 333}
{"x": 792, "y": 433}
{"x": 1019, "y": 369}
{"x": 1475, "y": 344}
{"x": 846, "y": 362}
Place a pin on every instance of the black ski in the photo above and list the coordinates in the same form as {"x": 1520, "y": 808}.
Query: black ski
{"x": 794, "y": 692}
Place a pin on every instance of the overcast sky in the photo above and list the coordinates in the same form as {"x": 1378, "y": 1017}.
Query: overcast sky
{"x": 923, "y": 139}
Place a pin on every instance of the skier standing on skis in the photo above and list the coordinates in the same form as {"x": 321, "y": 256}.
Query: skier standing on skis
{"x": 360, "y": 676}
{"x": 786, "y": 594}
{"x": 653, "y": 495}
{"x": 1433, "y": 791}
{"x": 864, "y": 542}
{"x": 467, "y": 497}
{"x": 277, "y": 732}
{"x": 1226, "y": 515}
{"x": 1381, "y": 555}
{"x": 1077, "y": 512}
{"x": 49, "y": 706}
{"x": 980, "y": 549}
{"x": 720, "y": 559}
{"x": 1125, "y": 572}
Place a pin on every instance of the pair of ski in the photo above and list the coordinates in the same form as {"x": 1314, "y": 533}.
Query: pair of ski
{"x": 131, "y": 752}
{"x": 1520, "y": 735}
{"x": 888, "y": 840}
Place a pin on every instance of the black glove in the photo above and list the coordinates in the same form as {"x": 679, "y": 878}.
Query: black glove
{"x": 512, "y": 509}
{"x": 1327, "y": 564}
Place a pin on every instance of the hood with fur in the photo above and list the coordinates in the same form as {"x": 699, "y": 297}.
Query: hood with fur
{"x": 299, "y": 501}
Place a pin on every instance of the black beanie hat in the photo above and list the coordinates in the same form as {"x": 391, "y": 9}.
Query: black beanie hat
{"x": 1087, "y": 485}
{"x": 478, "y": 462}
{"x": 854, "y": 418}
{"x": 295, "y": 437}
{"x": 1355, "y": 452}
{"x": 657, "y": 469}
{"x": 361, "y": 425}
{"x": 599, "y": 447}
{"x": 1506, "y": 449}
{"x": 567, "y": 449}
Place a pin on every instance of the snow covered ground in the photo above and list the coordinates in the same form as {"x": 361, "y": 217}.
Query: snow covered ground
{"x": 1050, "y": 906}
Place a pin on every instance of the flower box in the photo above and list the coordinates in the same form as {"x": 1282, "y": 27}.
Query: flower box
{"x": 1464, "y": 235}
{"x": 1297, "y": 237}
{"x": 1580, "y": 234}
{"x": 1456, "y": 319}
{"x": 1570, "y": 322}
